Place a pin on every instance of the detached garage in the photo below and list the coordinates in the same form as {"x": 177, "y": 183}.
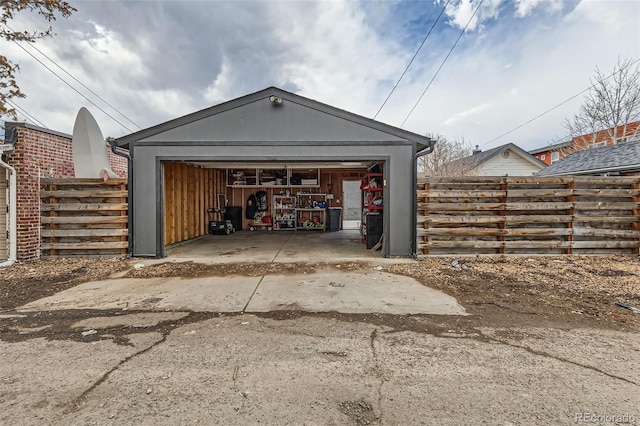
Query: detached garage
{"x": 277, "y": 159}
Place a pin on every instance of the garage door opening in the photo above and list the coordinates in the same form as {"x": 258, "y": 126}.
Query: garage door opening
{"x": 215, "y": 199}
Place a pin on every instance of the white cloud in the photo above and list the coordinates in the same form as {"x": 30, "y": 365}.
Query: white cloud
{"x": 221, "y": 88}
{"x": 463, "y": 115}
{"x": 461, "y": 12}
{"x": 342, "y": 67}
{"x": 525, "y": 7}
{"x": 156, "y": 61}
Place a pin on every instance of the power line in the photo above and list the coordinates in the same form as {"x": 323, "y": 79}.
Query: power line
{"x": 79, "y": 82}
{"x": 412, "y": 59}
{"x": 443, "y": 62}
{"x": 73, "y": 88}
{"x": 25, "y": 113}
{"x": 557, "y": 106}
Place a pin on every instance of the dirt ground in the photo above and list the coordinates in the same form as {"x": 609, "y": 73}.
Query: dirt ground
{"x": 544, "y": 343}
{"x": 512, "y": 291}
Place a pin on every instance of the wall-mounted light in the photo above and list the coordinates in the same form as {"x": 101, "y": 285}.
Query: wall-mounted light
{"x": 275, "y": 100}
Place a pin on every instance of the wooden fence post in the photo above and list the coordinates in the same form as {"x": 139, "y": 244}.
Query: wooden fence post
{"x": 425, "y": 225}
{"x": 503, "y": 214}
{"x": 635, "y": 225}
{"x": 124, "y": 213}
{"x": 52, "y": 213}
{"x": 570, "y": 212}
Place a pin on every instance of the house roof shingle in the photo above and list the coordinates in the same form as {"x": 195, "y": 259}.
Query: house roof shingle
{"x": 624, "y": 156}
{"x": 483, "y": 156}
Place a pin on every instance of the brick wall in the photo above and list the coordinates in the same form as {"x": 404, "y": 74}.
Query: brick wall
{"x": 40, "y": 153}
{"x": 118, "y": 163}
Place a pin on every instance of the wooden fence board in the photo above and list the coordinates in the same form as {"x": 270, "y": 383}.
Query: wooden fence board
{"x": 83, "y": 207}
{"x": 83, "y": 194}
{"x": 85, "y": 232}
{"x": 100, "y": 245}
{"x": 84, "y": 217}
{"x": 528, "y": 215}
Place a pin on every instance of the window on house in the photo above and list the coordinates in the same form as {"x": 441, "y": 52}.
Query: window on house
{"x": 624, "y": 139}
{"x": 555, "y": 156}
{"x": 543, "y": 157}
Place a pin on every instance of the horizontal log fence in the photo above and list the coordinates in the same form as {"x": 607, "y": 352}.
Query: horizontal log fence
{"x": 581, "y": 215}
{"x": 84, "y": 217}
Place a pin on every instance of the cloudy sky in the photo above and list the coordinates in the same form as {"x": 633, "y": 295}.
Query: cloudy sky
{"x": 157, "y": 60}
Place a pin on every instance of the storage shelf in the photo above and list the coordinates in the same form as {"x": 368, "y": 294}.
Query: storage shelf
{"x": 305, "y": 215}
{"x": 370, "y": 211}
{"x": 284, "y": 213}
{"x": 239, "y": 178}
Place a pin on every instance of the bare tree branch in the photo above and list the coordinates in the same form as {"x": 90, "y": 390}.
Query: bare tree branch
{"x": 610, "y": 106}
{"x": 449, "y": 158}
{"x": 48, "y": 9}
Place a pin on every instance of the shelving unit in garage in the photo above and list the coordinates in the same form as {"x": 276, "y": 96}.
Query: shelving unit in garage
{"x": 372, "y": 209}
{"x": 311, "y": 211}
{"x": 284, "y": 212}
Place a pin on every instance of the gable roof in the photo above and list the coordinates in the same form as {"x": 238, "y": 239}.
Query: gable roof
{"x": 621, "y": 157}
{"x": 169, "y": 127}
{"x": 484, "y": 156}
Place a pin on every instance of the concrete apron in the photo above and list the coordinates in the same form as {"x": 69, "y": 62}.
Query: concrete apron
{"x": 323, "y": 291}
{"x": 276, "y": 246}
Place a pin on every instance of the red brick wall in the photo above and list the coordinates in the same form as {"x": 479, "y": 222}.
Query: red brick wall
{"x": 118, "y": 164}
{"x": 579, "y": 143}
{"x": 41, "y": 154}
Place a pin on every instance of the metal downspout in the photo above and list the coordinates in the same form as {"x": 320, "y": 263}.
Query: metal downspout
{"x": 414, "y": 239}
{"x": 129, "y": 199}
{"x": 13, "y": 224}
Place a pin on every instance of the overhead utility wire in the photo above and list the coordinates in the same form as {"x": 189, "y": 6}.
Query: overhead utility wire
{"x": 412, "y": 59}
{"x": 74, "y": 89}
{"x": 80, "y": 83}
{"x": 554, "y": 107}
{"x": 25, "y": 113}
{"x": 443, "y": 62}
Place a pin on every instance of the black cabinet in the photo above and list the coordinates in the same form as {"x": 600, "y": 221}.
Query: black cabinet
{"x": 374, "y": 229}
{"x": 372, "y": 208}
{"x": 334, "y": 218}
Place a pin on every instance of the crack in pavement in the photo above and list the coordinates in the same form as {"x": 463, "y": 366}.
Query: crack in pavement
{"x": 377, "y": 369}
{"x": 192, "y": 318}
{"x": 79, "y": 401}
{"x": 262, "y": 277}
{"x": 565, "y": 360}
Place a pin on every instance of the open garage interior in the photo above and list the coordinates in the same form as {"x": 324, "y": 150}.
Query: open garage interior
{"x": 273, "y": 199}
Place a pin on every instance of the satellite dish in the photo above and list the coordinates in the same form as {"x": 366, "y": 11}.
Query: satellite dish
{"x": 90, "y": 157}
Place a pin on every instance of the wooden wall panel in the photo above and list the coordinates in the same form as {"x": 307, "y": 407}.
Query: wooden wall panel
{"x": 188, "y": 192}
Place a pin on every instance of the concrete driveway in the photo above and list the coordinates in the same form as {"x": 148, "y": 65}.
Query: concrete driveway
{"x": 350, "y": 347}
{"x": 277, "y": 246}
{"x": 328, "y": 290}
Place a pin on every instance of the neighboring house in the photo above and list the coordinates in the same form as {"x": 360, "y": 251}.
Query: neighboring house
{"x": 35, "y": 153}
{"x": 507, "y": 159}
{"x": 627, "y": 133}
{"x": 615, "y": 160}
{"x": 273, "y": 130}
{"x": 552, "y": 153}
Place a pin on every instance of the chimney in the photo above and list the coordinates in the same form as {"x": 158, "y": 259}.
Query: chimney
{"x": 477, "y": 150}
